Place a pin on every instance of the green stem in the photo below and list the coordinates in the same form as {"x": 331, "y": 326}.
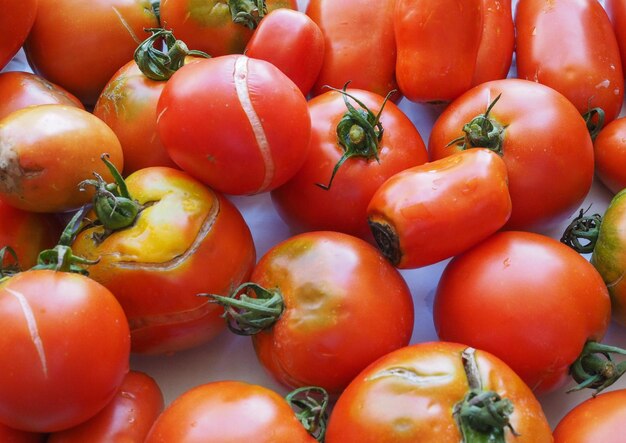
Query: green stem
{"x": 595, "y": 369}
{"x": 582, "y": 233}
{"x": 482, "y": 132}
{"x": 594, "y": 125}
{"x": 247, "y": 12}
{"x": 310, "y": 405}
{"x": 10, "y": 269}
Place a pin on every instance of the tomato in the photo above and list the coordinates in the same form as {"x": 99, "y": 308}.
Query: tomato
{"x": 446, "y": 47}
{"x": 330, "y": 320}
{"x": 571, "y": 47}
{"x": 212, "y": 26}
{"x": 340, "y": 175}
{"x": 59, "y": 368}
{"x": 228, "y": 412}
{"x": 526, "y": 298}
{"x": 293, "y": 43}
{"x": 541, "y": 136}
{"x": 47, "y": 151}
{"x": 80, "y": 45}
{"x": 8, "y": 435}
{"x": 437, "y": 210}
{"x": 157, "y": 264}
{"x": 360, "y": 46}
{"x": 416, "y": 393}
{"x": 598, "y": 419}
{"x": 128, "y": 416}
{"x": 610, "y": 155}
{"x": 616, "y": 9}
{"x": 16, "y": 23}
{"x": 236, "y": 123}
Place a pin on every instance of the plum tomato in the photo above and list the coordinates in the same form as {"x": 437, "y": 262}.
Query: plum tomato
{"x": 16, "y": 22}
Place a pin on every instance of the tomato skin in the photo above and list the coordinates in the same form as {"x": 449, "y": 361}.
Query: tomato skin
{"x": 48, "y": 151}
{"x": 440, "y": 209}
{"x": 156, "y": 274}
{"x": 306, "y": 207}
{"x": 228, "y": 412}
{"x": 597, "y": 419}
{"x": 571, "y": 47}
{"x": 61, "y": 46}
{"x": 128, "y": 417}
{"x": 526, "y": 298}
{"x": 380, "y": 409}
{"x": 359, "y": 41}
{"x": 9, "y": 435}
{"x": 208, "y": 26}
{"x": 59, "y": 368}
{"x": 545, "y": 145}
{"x": 293, "y": 43}
{"x": 335, "y": 322}
{"x": 610, "y": 155}
{"x": 616, "y": 9}
{"x": 16, "y": 23}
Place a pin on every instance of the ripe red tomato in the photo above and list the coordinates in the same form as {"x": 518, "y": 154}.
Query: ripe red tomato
{"x": 526, "y": 298}
{"x": 128, "y": 417}
{"x": 9, "y": 435}
{"x": 610, "y": 155}
{"x": 381, "y": 148}
{"x": 416, "y": 393}
{"x": 541, "y": 136}
{"x": 236, "y": 123}
{"x": 47, "y": 151}
{"x": 584, "y": 65}
{"x": 63, "y": 352}
{"x": 228, "y": 412}
{"x": 80, "y": 45}
{"x": 431, "y": 212}
{"x": 293, "y": 43}
{"x": 616, "y": 9}
{"x": 15, "y": 22}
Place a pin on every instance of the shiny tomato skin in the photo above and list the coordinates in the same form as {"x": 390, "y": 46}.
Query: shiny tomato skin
{"x": 157, "y": 266}
{"x": 408, "y": 396}
{"x": 497, "y": 43}
{"x": 306, "y": 207}
{"x": 545, "y": 145}
{"x": 293, "y": 43}
{"x": 208, "y": 26}
{"x": 59, "y": 368}
{"x": 584, "y": 66}
{"x": 359, "y": 41}
{"x": 440, "y": 209}
{"x": 597, "y": 419}
{"x": 9, "y": 435}
{"x": 526, "y": 298}
{"x": 128, "y": 417}
{"x": 21, "y": 89}
{"x": 616, "y": 9}
{"x": 15, "y": 22}
{"x": 80, "y": 45}
{"x": 228, "y": 412}
{"x": 610, "y": 155}
{"x": 236, "y": 123}
{"x": 47, "y": 151}
{"x": 335, "y": 321}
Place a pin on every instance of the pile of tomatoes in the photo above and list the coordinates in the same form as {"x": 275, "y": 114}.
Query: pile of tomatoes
{"x": 285, "y": 221}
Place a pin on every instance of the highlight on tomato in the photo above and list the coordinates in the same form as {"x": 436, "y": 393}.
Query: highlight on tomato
{"x": 320, "y": 306}
{"x": 610, "y": 155}
{"x": 16, "y": 22}
{"x": 437, "y": 391}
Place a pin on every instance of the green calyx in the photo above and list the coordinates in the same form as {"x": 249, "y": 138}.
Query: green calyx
{"x": 12, "y": 267}
{"x": 310, "y": 405}
{"x": 594, "y": 119}
{"x": 582, "y": 233}
{"x": 482, "y": 132}
{"x": 595, "y": 368}
{"x": 247, "y": 12}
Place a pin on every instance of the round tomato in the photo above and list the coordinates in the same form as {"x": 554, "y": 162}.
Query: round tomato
{"x": 610, "y": 155}
{"x": 47, "y": 151}
{"x": 431, "y": 212}
{"x": 59, "y": 368}
{"x": 526, "y": 298}
{"x": 229, "y": 412}
{"x": 541, "y": 136}
{"x": 616, "y": 10}
{"x": 15, "y": 23}
{"x": 437, "y": 392}
{"x": 358, "y": 140}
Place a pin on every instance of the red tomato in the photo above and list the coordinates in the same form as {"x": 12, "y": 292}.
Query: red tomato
{"x": 127, "y": 418}
{"x": 415, "y": 393}
{"x": 616, "y": 10}
{"x": 80, "y": 45}
{"x": 610, "y": 155}
{"x": 526, "y": 298}
{"x": 340, "y": 205}
{"x": 9, "y": 435}
{"x": 228, "y": 412}
{"x": 293, "y": 43}
{"x": 21, "y": 89}
{"x": 236, "y": 123}
{"x": 210, "y": 25}
{"x": 446, "y": 47}
{"x": 437, "y": 210}
{"x": 47, "y": 151}
{"x": 157, "y": 265}
{"x": 598, "y": 419}
{"x": 59, "y": 368}
{"x": 541, "y": 136}
{"x": 15, "y": 22}
{"x": 571, "y": 47}
{"x": 360, "y": 46}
